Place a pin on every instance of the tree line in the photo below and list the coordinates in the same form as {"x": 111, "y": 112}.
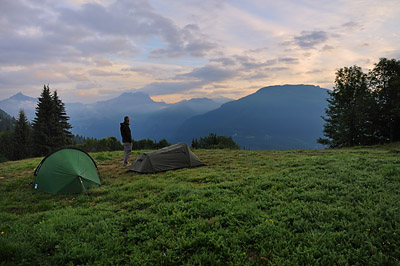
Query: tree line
{"x": 214, "y": 142}
{"x": 113, "y": 144}
{"x": 364, "y": 108}
{"x": 48, "y": 131}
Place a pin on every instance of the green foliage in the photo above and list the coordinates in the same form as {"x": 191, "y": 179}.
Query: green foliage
{"x": 50, "y": 126}
{"x": 42, "y": 123}
{"x": 6, "y": 146}
{"x": 351, "y": 110}
{"x": 77, "y": 139}
{"x": 49, "y": 130}
{"x": 214, "y": 142}
{"x": 113, "y": 144}
{"x": 6, "y": 139}
{"x": 312, "y": 207}
{"x": 385, "y": 80}
{"x": 16, "y": 144}
{"x": 105, "y": 144}
{"x": 148, "y": 144}
{"x": 22, "y": 141}
{"x": 364, "y": 109}
{"x": 6, "y": 121}
{"x": 62, "y": 135}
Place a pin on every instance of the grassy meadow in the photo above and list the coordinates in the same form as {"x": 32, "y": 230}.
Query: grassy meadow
{"x": 302, "y": 207}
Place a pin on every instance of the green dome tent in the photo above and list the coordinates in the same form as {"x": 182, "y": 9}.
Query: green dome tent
{"x": 68, "y": 170}
{"x": 172, "y": 157}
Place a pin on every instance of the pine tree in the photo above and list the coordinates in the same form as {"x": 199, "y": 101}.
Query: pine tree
{"x": 22, "y": 137}
{"x": 193, "y": 143}
{"x": 350, "y": 113}
{"x": 62, "y": 135}
{"x": 50, "y": 126}
{"x": 43, "y": 124}
{"x": 6, "y": 145}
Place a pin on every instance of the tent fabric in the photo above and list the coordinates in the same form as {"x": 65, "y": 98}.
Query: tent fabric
{"x": 172, "y": 157}
{"x": 67, "y": 170}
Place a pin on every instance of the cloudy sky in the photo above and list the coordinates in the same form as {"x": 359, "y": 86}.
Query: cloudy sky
{"x": 90, "y": 50}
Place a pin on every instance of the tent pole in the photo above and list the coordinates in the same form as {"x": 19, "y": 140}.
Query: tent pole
{"x": 80, "y": 179}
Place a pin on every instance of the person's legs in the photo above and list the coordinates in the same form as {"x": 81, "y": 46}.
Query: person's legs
{"x": 127, "y": 152}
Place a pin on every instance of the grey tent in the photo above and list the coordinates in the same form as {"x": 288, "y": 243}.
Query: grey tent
{"x": 172, "y": 157}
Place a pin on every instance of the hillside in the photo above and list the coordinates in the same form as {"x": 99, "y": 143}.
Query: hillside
{"x": 275, "y": 117}
{"x": 165, "y": 123}
{"x": 6, "y": 121}
{"x": 299, "y": 207}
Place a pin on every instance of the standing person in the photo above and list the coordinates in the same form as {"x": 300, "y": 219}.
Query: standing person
{"x": 126, "y": 139}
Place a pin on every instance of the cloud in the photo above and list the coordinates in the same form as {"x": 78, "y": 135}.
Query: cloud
{"x": 225, "y": 61}
{"x": 84, "y": 86}
{"x": 114, "y": 46}
{"x": 162, "y": 88}
{"x": 288, "y": 60}
{"x": 309, "y": 39}
{"x": 16, "y": 14}
{"x": 249, "y": 63}
{"x": 102, "y": 73}
{"x": 258, "y": 50}
{"x": 77, "y": 77}
{"x": 181, "y": 46}
{"x": 101, "y": 62}
{"x": 138, "y": 21}
{"x": 195, "y": 79}
{"x": 351, "y": 25}
{"x": 35, "y": 33}
{"x": 31, "y": 77}
{"x": 327, "y": 48}
{"x": 188, "y": 41}
{"x": 208, "y": 74}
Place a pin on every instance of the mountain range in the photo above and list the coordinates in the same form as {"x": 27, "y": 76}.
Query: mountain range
{"x": 275, "y": 117}
{"x": 19, "y": 101}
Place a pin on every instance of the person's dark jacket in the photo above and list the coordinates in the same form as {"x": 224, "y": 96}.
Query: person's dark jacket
{"x": 126, "y": 133}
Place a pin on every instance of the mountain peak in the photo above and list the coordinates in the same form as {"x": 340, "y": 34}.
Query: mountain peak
{"x": 21, "y": 97}
{"x": 138, "y": 97}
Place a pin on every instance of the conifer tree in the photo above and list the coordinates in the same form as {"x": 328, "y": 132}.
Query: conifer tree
{"x": 62, "y": 135}
{"x": 50, "y": 126}
{"x": 42, "y": 125}
{"x": 193, "y": 143}
{"x": 22, "y": 137}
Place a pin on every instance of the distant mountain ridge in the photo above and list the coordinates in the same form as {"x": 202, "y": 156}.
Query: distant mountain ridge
{"x": 149, "y": 119}
{"x": 275, "y": 117}
{"x": 165, "y": 123}
{"x": 19, "y": 101}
